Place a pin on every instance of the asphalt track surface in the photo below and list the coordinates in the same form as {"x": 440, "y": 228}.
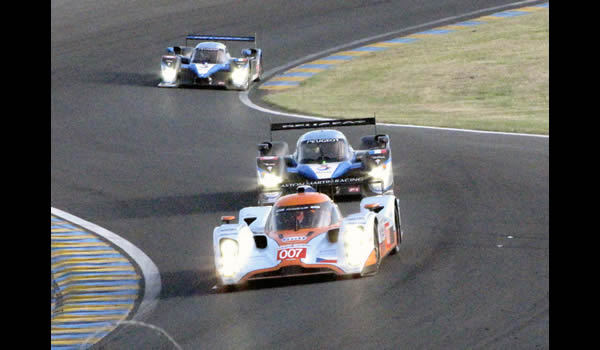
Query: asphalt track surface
{"x": 160, "y": 166}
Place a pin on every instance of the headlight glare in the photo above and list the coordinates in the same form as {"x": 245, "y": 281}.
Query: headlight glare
{"x": 269, "y": 180}
{"x": 229, "y": 250}
{"x": 168, "y": 74}
{"x": 354, "y": 244}
{"x": 239, "y": 76}
{"x": 380, "y": 172}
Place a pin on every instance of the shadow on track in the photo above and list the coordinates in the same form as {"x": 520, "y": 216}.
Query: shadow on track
{"x": 190, "y": 283}
{"x": 281, "y": 282}
{"x": 125, "y": 78}
{"x": 178, "y": 205}
{"x": 140, "y": 79}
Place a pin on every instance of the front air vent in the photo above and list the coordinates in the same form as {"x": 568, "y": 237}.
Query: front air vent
{"x": 260, "y": 241}
{"x": 249, "y": 220}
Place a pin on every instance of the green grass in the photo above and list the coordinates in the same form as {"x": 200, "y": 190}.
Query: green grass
{"x": 494, "y": 76}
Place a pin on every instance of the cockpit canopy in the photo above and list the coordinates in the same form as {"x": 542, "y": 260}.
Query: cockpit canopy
{"x": 302, "y": 216}
{"x": 322, "y": 146}
{"x": 211, "y": 56}
{"x": 210, "y": 52}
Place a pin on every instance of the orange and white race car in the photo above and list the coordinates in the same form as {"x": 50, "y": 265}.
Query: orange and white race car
{"x": 304, "y": 233}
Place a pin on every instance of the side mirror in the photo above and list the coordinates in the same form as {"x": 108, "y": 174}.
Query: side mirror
{"x": 374, "y": 207}
{"x": 333, "y": 234}
{"x": 382, "y": 140}
{"x": 290, "y": 162}
{"x": 177, "y": 50}
{"x": 246, "y": 52}
{"x": 264, "y": 147}
{"x": 227, "y": 219}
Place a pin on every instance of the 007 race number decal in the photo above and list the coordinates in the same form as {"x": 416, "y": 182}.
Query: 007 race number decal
{"x": 291, "y": 253}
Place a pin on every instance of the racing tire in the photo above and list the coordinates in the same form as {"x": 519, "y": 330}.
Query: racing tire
{"x": 398, "y": 228}
{"x": 374, "y": 269}
{"x": 260, "y": 71}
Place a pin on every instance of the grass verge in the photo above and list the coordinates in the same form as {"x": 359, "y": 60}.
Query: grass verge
{"x": 494, "y": 76}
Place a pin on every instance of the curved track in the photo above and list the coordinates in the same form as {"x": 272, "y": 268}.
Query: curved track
{"x": 159, "y": 168}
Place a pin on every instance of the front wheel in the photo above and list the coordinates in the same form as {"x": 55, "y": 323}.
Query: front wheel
{"x": 398, "y": 229}
{"x": 374, "y": 268}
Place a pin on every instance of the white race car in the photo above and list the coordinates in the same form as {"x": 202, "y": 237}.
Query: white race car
{"x": 304, "y": 233}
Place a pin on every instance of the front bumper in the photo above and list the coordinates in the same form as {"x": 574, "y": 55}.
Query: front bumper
{"x": 263, "y": 264}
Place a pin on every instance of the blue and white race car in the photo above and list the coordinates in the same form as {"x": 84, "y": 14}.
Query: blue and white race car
{"x": 325, "y": 160}
{"x": 210, "y": 64}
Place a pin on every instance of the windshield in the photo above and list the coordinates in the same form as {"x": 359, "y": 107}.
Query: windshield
{"x": 209, "y": 56}
{"x": 322, "y": 150}
{"x": 303, "y": 216}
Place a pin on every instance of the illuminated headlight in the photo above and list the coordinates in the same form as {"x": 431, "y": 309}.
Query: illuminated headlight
{"x": 355, "y": 241}
{"x": 269, "y": 180}
{"x": 229, "y": 251}
{"x": 380, "y": 173}
{"x": 168, "y": 74}
{"x": 239, "y": 76}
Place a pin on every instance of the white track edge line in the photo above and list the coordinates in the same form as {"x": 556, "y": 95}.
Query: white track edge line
{"x": 152, "y": 283}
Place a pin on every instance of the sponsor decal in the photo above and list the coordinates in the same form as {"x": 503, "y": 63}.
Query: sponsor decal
{"x": 337, "y": 181}
{"x": 304, "y": 207}
{"x": 323, "y": 167}
{"x": 204, "y": 68}
{"x": 327, "y": 260}
{"x": 378, "y": 151}
{"x": 354, "y": 189}
{"x": 322, "y": 124}
{"x": 328, "y": 140}
{"x": 291, "y": 253}
{"x": 293, "y": 239}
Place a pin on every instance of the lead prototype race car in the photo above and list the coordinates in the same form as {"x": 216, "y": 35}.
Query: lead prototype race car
{"x": 325, "y": 160}
{"x": 209, "y": 63}
{"x": 305, "y": 234}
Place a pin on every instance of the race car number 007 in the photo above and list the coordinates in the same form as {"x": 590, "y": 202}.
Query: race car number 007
{"x": 291, "y": 253}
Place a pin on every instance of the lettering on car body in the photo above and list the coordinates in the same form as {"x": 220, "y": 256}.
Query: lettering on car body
{"x": 291, "y": 253}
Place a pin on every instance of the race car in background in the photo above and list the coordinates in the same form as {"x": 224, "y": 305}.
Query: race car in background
{"x": 305, "y": 234}
{"x": 209, "y": 63}
{"x": 325, "y": 160}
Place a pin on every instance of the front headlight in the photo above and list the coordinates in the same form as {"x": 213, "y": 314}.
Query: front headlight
{"x": 229, "y": 248}
{"x": 380, "y": 172}
{"x": 269, "y": 180}
{"x": 229, "y": 251}
{"x": 355, "y": 241}
{"x": 239, "y": 76}
{"x": 168, "y": 74}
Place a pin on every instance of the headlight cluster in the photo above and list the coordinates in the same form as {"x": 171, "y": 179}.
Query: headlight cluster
{"x": 269, "y": 180}
{"x": 239, "y": 76}
{"x": 355, "y": 241}
{"x": 229, "y": 250}
{"x": 381, "y": 172}
{"x": 169, "y": 74}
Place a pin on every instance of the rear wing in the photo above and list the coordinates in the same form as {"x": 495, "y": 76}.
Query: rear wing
{"x": 219, "y": 38}
{"x": 322, "y": 124}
